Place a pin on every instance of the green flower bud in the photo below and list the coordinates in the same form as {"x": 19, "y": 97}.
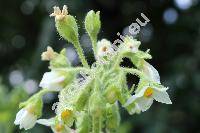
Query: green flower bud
{"x": 112, "y": 93}
{"x": 66, "y": 24}
{"x": 96, "y": 105}
{"x": 113, "y": 117}
{"x": 60, "y": 60}
{"x": 92, "y": 23}
{"x": 83, "y": 97}
{"x": 83, "y": 123}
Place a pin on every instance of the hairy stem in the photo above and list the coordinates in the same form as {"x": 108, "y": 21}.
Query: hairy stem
{"x": 80, "y": 53}
{"x": 94, "y": 45}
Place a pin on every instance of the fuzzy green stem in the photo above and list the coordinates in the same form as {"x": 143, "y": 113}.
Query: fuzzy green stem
{"x": 118, "y": 60}
{"x": 94, "y": 45}
{"x": 75, "y": 69}
{"x": 80, "y": 53}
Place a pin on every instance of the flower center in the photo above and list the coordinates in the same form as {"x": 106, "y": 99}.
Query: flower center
{"x": 59, "y": 127}
{"x": 65, "y": 114}
{"x": 104, "y": 49}
{"x": 131, "y": 47}
{"x": 148, "y": 92}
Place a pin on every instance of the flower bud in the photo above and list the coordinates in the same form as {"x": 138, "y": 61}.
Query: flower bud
{"x": 56, "y": 79}
{"x": 92, "y": 23}
{"x": 60, "y": 61}
{"x": 66, "y": 24}
{"x": 82, "y": 98}
{"x": 83, "y": 123}
{"x": 96, "y": 104}
{"x": 113, "y": 117}
{"x": 112, "y": 93}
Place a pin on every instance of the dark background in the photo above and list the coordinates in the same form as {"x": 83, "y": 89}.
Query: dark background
{"x": 173, "y": 35}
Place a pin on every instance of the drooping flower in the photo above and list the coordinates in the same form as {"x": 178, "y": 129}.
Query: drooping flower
{"x": 58, "y": 14}
{"x": 52, "y": 80}
{"x": 25, "y": 119}
{"x": 104, "y": 48}
{"x": 144, "y": 97}
{"x": 48, "y": 55}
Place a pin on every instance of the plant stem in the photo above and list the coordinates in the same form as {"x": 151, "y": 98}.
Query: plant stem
{"x": 96, "y": 124}
{"x": 44, "y": 91}
{"x": 80, "y": 53}
{"x": 94, "y": 45}
{"x": 118, "y": 60}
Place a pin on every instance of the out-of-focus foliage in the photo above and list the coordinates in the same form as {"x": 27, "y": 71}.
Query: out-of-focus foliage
{"x": 173, "y": 35}
{"x": 9, "y": 101}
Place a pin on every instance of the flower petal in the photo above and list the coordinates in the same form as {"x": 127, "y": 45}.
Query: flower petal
{"x": 51, "y": 80}
{"x": 162, "y": 96}
{"x": 28, "y": 121}
{"x": 144, "y": 103}
{"x": 151, "y": 72}
{"x": 46, "y": 122}
{"x": 19, "y": 116}
{"x": 130, "y": 100}
{"x": 138, "y": 94}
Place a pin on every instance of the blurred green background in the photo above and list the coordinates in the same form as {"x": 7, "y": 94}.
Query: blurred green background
{"x": 173, "y": 35}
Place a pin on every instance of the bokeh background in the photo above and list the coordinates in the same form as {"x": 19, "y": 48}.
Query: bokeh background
{"x": 173, "y": 35}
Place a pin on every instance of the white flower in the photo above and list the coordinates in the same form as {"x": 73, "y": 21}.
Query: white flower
{"x": 144, "y": 97}
{"x": 104, "y": 48}
{"x": 52, "y": 80}
{"x": 57, "y": 127}
{"x": 25, "y": 119}
{"x": 151, "y": 72}
{"x": 131, "y": 44}
{"x": 58, "y": 14}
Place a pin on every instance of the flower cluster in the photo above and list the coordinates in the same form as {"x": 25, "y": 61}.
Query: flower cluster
{"x": 89, "y": 96}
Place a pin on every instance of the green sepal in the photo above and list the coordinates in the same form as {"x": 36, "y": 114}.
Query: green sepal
{"x": 33, "y": 104}
{"x": 97, "y": 104}
{"x": 112, "y": 117}
{"x": 60, "y": 60}
{"x": 83, "y": 124}
{"x": 83, "y": 96}
{"x": 112, "y": 93}
{"x": 68, "y": 29}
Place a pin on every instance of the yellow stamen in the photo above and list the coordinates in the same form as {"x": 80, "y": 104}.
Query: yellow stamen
{"x": 148, "y": 92}
{"x": 65, "y": 114}
{"x": 59, "y": 127}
